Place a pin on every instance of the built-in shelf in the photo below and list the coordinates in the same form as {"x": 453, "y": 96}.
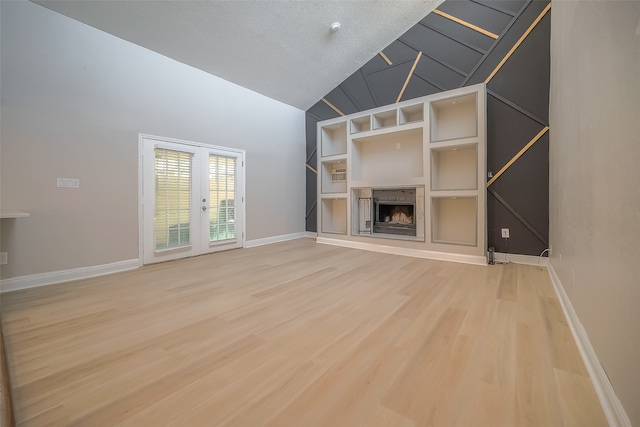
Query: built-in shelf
{"x": 454, "y": 167}
{"x": 333, "y": 176}
{"x": 361, "y": 124}
{"x": 407, "y": 176}
{"x": 412, "y": 114}
{"x": 454, "y": 118}
{"x": 334, "y": 215}
{"x": 454, "y": 220}
{"x": 385, "y": 119}
{"x": 14, "y": 214}
{"x": 333, "y": 139}
{"x": 392, "y": 157}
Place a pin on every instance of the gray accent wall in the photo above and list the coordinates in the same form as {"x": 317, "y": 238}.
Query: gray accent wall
{"x": 595, "y": 180}
{"x": 517, "y": 103}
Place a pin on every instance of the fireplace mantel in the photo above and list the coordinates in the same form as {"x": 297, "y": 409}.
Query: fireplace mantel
{"x": 408, "y": 177}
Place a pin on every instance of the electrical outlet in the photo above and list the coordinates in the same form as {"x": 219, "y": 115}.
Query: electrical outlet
{"x": 505, "y": 233}
{"x": 4, "y": 258}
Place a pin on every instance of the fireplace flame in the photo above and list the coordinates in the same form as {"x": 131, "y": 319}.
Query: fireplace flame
{"x": 400, "y": 215}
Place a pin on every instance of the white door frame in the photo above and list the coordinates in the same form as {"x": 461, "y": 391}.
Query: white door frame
{"x": 241, "y": 190}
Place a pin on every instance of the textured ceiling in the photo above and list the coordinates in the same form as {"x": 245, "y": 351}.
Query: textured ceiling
{"x": 281, "y": 49}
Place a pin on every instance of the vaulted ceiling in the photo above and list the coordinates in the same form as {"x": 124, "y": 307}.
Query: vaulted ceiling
{"x": 282, "y": 49}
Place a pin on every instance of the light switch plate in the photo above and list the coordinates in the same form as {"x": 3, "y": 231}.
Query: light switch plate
{"x": 68, "y": 183}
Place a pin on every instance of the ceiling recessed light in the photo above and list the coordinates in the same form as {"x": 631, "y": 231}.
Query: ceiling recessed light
{"x": 335, "y": 27}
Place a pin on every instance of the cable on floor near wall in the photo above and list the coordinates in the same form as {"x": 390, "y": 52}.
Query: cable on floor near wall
{"x": 506, "y": 260}
{"x": 540, "y": 258}
{"x": 506, "y": 255}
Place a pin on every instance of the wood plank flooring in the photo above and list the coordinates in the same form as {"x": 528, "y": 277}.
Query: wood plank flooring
{"x": 6, "y": 413}
{"x": 298, "y": 334}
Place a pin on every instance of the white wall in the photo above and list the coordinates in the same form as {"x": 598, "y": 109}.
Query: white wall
{"x": 73, "y": 102}
{"x": 595, "y": 179}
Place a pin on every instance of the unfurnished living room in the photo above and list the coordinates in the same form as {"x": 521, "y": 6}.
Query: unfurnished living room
{"x": 320, "y": 213}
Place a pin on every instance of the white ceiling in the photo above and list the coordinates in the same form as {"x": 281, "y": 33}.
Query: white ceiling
{"x": 281, "y": 49}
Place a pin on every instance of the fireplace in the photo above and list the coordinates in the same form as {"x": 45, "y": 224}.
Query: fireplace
{"x": 394, "y": 211}
{"x": 389, "y": 213}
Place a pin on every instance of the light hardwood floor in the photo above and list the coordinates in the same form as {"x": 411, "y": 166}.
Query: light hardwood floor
{"x": 298, "y": 334}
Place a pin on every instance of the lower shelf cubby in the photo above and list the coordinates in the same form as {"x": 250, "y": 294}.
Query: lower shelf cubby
{"x": 454, "y": 220}
{"x": 334, "y": 215}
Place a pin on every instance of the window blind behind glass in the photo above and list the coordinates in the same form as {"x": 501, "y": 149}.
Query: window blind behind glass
{"x": 222, "y": 190}
{"x": 174, "y": 180}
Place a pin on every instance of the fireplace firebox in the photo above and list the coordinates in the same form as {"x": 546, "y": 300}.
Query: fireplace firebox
{"x": 395, "y": 211}
{"x": 391, "y": 213}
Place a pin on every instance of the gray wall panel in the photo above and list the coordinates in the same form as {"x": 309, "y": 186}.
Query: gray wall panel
{"x": 509, "y": 6}
{"x": 358, "y": 90}
{"x": 438, "y": 74}
{"x": 442, "y": 48}
{"x": 530, "y": 62}
{"x": 311, "y": 189}
{"x": 508, "y": 40}
{"x": 457, "y": 31}
{"x": 525, "y": 186}
{"x": 522, "y": 240}
{"x": 375, "y": 64}
{"x": 312, "y": 220}
{"x": 417, "y": 87}
{"x": 508, "y": 130}
{"x": 322, "y": 111}
{"x": 386, "y": 84}
{"x": 477, "y": 14}
{"x": 339, "y": 97}
{"x": 310, "y": 129}
{"x": 399, "y": 52}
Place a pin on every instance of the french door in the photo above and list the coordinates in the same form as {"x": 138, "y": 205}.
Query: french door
{"x": 192, "y": 199}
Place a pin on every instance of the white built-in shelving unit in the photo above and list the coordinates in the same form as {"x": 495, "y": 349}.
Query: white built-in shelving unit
{"x": 432, "y": 148}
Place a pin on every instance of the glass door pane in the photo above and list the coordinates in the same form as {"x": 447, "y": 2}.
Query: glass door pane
{"x": 173, "y": 189}
{"x": 222, "y": 194}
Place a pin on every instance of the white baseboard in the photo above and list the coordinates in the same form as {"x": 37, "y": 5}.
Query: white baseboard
{"x": 43, "y": 279}
{"x": 417, "y": 253}
{"x": 611, "y": 406}
{"x": 274, "y": 239}
{"x": 310, "y": 234}
{"x": 522, "y": 259}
